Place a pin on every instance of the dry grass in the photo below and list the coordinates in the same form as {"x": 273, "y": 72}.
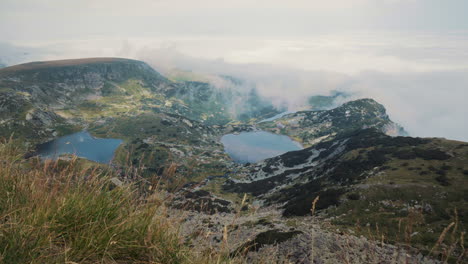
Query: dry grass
{"x": 56, "y": 212}
{"x": 63, "y": 212}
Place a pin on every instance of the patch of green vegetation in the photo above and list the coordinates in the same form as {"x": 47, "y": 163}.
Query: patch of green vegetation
{"x": 139, "y": 154}
{"x": 66, "y": 129}
{"x": 134, "y": 87}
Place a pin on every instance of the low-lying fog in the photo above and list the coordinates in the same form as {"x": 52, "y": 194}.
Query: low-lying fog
{"x": 410, "y": 55}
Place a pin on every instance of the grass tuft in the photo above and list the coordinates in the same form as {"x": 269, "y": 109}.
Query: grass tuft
{"x": 58, "y": 212}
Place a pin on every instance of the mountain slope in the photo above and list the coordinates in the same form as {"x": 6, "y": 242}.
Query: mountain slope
{"x": 57, "y": 83}
{"x": 44, "y": 96}
{"x": 368, "y": 177}
{"x": 61, "y": 95}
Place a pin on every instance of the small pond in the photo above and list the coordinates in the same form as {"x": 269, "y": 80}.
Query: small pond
{"x": 255, "y": 146}
{"x": 81, "y": 144}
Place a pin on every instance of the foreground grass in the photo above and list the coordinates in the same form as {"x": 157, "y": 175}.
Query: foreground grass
{"x": 69, "y": 211}
{"x": 61, "y": 213}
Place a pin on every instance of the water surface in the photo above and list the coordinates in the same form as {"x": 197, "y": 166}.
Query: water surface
{"x": 255, "y": 146}
{"x": 81, "y": 144}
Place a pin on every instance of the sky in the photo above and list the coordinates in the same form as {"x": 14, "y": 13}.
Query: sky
{"x": 409, "y": 55}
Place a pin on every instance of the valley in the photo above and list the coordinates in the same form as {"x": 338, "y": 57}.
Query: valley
{"x": 237, "y": 166}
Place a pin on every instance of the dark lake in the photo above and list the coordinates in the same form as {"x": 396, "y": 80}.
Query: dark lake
{"x": 81, "y": 144}
{"x": 255, "y": 146}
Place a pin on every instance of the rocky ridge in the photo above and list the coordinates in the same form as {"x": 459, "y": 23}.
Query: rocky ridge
{"x": 312, "y": 127}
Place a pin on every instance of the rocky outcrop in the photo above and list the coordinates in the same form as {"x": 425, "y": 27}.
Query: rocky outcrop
{"x": 313, "y": 127}
{"x": 264, "y": 237}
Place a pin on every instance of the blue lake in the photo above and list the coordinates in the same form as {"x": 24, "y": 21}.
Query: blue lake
{"x": 256, "y": 146}
{"x": 81, "y": 144}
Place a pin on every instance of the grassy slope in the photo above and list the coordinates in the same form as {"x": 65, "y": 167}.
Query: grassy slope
{"x": 70, "y": 212}
{"x": 63, "y": 211}
{"x": 411, "y": 199}
{"x": 398, "y": 192}
{"x": 396, "y": 189}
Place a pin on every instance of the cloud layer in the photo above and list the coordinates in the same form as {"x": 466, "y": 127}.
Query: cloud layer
{"x": 410, "y": 55}
{"x": 428, "y": 103}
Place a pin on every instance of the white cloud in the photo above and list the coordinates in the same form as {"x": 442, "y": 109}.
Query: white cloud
{"x": 411, "y": 55}
{"x": 427, "y": 104}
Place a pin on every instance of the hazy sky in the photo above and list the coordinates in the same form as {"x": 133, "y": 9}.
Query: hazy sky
{"x": 410, "y": 55}
{"x": 45, "y": 20}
